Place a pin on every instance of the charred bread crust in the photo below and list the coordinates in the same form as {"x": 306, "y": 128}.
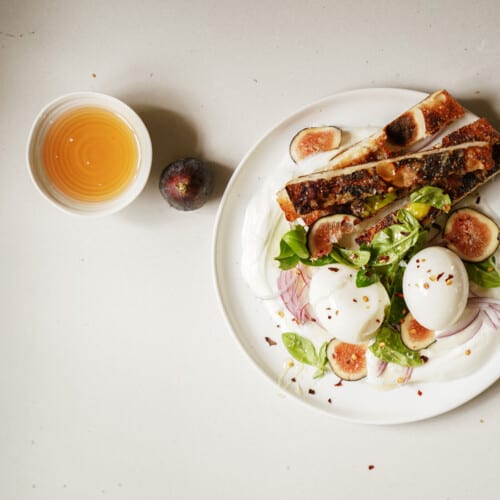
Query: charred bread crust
{"x": 426, "y": 118}
{"x": 440, "y": 110}
{"x": 401, "y": 175}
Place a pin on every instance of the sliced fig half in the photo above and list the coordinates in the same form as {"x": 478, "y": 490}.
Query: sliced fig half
{"x": 471, "y": 235}
{"x": 313, "y": 140}
{"x": 329, "y": 230}
{"x": 414, "y": 335}
{"x": 348, "y": 361}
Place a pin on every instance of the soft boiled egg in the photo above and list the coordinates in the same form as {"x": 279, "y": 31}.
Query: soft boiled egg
{"x": 436, "y": 287}
{"x": 348, "y": 313}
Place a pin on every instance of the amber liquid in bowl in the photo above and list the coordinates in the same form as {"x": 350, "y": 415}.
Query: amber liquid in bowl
{"x": 90, "y": 154}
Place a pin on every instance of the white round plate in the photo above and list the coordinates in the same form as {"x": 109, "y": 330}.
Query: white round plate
{"x": 250, "y": 320}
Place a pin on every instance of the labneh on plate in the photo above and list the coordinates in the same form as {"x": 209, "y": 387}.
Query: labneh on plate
{"x": 249, "y": 220}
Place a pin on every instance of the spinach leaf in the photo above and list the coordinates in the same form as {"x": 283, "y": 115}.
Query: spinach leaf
{"x": 485, "y": 273}
{"x": 433, "y": 196}
{"x": 389, "y": 347}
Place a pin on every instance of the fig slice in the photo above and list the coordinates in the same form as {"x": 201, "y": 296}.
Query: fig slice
{"x": 471, "y": 235}
{"x": 414, "y": 335}
{"x": 329, "y": 230}
{"x": 313, "y": 140}
{"x": 347, "y": 361}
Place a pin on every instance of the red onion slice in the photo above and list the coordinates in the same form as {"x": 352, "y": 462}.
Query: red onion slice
{"x": 464, "y": 322}
{"x": 381, "y": 367}
{"x": 293, "y": 286}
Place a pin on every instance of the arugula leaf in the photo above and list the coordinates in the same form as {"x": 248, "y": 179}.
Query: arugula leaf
{"x": 389, "y": 347}
{"x": 433, "y": 196}
{"x": 485, "y": 273}
{"x": 303, "y": 350}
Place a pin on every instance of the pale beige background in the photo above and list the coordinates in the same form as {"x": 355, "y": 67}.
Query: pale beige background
{"x": 118, "y": 376}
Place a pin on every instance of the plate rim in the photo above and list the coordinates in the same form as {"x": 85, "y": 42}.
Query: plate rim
{"x": 419, "y": 94}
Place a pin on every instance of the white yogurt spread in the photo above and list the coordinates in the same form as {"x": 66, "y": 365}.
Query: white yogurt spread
{"x": 332, "y": 291}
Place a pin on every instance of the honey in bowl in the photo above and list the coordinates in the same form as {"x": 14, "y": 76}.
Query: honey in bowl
{"x": 90, "y": 154}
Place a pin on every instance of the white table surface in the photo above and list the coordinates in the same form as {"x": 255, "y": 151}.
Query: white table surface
{"x": 118, "y": 375}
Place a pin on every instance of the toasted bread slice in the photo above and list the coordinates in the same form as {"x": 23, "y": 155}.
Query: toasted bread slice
{"x": 479, "y": 130}
{"x": 425, "y": 119}
{"x": 401, "y": 175}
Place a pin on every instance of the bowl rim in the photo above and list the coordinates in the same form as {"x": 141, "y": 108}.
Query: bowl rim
{"x": 90, "y": 98}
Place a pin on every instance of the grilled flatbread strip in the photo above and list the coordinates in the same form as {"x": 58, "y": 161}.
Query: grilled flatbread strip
{"x": 425, "y": 119}
{"x": 401, "y": 175}
{"x": 479, "y": 130}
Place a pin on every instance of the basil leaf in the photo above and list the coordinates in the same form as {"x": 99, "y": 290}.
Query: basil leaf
{"x": 322, "y": 365}
{"x": 366, "y": 277}
{"x": 484, "y": 274}
{"x": 397, "y": 307}
{"x": 296, "y": 239}
{"x": 287, "y": 258}
{"x": 433, "y": 196}
{"x": 356, "y": 258}
{"x": 389, "y": 347}
{"x": 300, "y": 348}
{"x": 392, "y": 243}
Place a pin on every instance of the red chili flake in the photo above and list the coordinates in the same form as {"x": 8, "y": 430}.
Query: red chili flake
{"x": 449, "y": 277}
{"x": 405, "y": 233}
{"x": 293, "y": 379}
{"x": 377, "y": 320}
{"x": 314, "y": 320}
{"x": 439, "y": 276}
{"x": 270, "y": 341}
{"x": 399, "y": 294}
{"x": 355, "y": 300}
{"x": 383, "y": 258}
{"x": 311, "y": 391}
{"x": 329, "y": 316}
{"x": 339, "y": 383}
{"x": 371, "y": 467}
{"x": 418, "y": 260}
{"x": 334, "y": 269}
{"x": 419, "y": 392}
{"x": 330, "y": 400}
{"x": 424, "y": 359}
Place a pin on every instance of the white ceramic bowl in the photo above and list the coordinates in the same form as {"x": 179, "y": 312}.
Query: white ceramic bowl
{"x": 35, "y": 161}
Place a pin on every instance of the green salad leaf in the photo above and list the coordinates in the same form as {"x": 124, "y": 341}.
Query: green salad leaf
{"x": 293, "y": 249}
{"x": 375, "y": 203}
{"x": 433, "y": 196}
{"x": 485, "y": 273}
{"x": 389, "y": 347}
{"x": 303, "y": 350}
{"x": 394, "y": 242}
